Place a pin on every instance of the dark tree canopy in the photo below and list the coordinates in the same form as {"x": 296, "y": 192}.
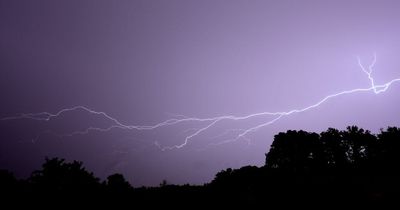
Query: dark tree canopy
{"x": 334, "y": 167}
{"x": 339, "y": 167}
{"x": 57, "y": 175}
{"x": 353, "y": 149}
{"x": 295, "y": 150}
{"x": 116, "y": 183}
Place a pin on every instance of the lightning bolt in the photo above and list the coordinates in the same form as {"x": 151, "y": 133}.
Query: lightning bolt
{"x": 210, "y": 122}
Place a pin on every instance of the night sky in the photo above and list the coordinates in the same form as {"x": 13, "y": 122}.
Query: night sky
{"x": 144, "y": 62}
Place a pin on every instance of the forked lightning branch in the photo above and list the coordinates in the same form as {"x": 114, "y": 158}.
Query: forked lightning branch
{"x": 209, "y": 122}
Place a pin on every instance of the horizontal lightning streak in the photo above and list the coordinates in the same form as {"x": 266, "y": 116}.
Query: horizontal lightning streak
{"x": 46, "y": 116}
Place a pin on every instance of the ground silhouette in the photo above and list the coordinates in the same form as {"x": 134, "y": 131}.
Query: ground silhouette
{"x": 332, "y": 168}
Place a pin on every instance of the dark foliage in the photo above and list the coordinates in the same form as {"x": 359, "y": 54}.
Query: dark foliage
{"x": 56, "y": 176}
{"x": 333, "y": 168}
{"x": 350, "y": 167}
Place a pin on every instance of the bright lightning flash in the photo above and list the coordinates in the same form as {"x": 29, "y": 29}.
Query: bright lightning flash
{"x": 46, "y": 116}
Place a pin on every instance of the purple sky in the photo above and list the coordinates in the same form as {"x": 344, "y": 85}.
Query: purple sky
{"x": 142, "y": 62}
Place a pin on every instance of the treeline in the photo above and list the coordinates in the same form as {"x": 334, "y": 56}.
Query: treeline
{"x": 349, "y": 167}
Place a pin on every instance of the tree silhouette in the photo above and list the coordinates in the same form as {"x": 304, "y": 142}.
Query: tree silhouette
{"x": 335, "y": 149}
{"x": 295, "y": 151}
{"x": 353, "y": 148}
{"x": 335, "y": 167}
{"x": 389, "y": 145}
{"x": 117, "y": 184}
{"x": 57, "y": 176}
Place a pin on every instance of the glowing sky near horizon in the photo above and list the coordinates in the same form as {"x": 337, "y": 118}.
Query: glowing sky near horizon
{"x": 144, "y": 62}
